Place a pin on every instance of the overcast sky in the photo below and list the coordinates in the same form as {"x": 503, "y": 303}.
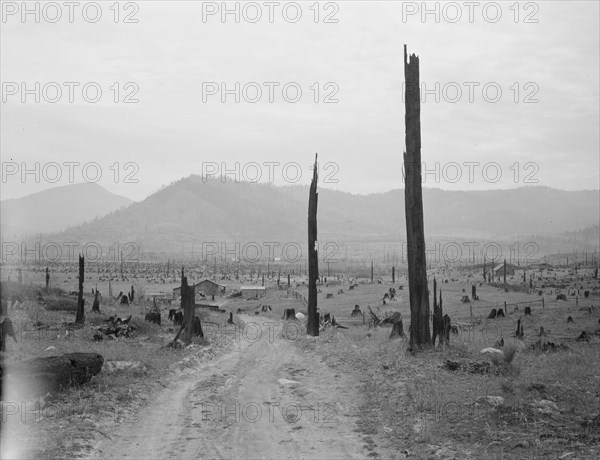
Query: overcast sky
{"x": 173, "y": 53}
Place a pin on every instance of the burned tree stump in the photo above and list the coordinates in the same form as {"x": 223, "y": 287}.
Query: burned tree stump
{"x": 356, "y": 311}
{"x": 153, "y": 317}
{"x": 312, "y": 323}
{"x": 96, "y": 304}
{"x": 528, "y": 310}
{"x": 474, "y": 292}
{"x": 437, "y": 316}
{"x": 38, "y": 376}
{"x": 413, "y": 197}
{"x": 6, "y": 330}
{"x": 447, "y": 327}
{"x": 397, "y": 328}
{"x": 198, "y": 328}
{"x": 519, "y": 333}
{"x": 80, "y": 315}
{"x": 290, "y": 313}
{"x": 188, "y": 299}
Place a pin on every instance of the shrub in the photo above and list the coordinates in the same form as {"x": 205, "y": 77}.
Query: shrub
{"x": 60, "y": 303}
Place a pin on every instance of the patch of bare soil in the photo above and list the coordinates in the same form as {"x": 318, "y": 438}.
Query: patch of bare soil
{"x": 267, "y": 398}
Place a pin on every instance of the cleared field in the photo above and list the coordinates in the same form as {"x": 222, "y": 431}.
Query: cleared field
{"x": 533, "y": 404}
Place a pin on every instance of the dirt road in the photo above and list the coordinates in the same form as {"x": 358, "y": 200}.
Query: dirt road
{"x": 265, "y": 399}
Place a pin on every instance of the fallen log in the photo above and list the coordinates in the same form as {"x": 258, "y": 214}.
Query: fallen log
{"x": 38, "y": 376}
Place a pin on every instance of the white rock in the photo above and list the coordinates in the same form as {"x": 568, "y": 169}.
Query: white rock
{"x": 300, "y": 316}
{"x": 286, "y": 382}
{"x": 50, "y": 348}
{"x": 491, "y": 350}
{"x": 495, "y": 400}
{"x": 545, "y": 406}
{"x": 114, "y": 366}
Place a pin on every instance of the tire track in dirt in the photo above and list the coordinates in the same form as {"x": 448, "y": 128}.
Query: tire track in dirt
{"x": 238, "y": 406}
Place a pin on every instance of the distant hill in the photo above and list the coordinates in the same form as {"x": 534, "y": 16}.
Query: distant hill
{"x": 195, "y": 210}
{"x": 56, "y": 209}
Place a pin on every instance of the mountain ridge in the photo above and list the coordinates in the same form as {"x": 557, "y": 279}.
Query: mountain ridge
{"x": 195, "y": 209}
{"x": 57, "y": 209}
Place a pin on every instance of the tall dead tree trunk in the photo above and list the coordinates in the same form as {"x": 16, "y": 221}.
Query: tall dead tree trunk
{"x": 312, "y": 324}
{"x": 80, "y": 316}
{"x": 371, "y": 272}
{"x": 47, "y": 279}
{"x": 413, "y": 197}
{"x": 437, "y": 316}
{"x": 393, "y": 275}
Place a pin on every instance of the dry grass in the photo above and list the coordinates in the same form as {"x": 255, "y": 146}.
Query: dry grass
{"x": 72, "y": 420}
{"x": 409, "y": 401}
{"x": 61, "y": 303}
{"x": 509, "y": 352}
{"x": 434, "y": 413}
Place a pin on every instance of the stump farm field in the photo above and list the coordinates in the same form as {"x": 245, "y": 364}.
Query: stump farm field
{"x": 300, "y": 230}
{"x": 261, "y": 385}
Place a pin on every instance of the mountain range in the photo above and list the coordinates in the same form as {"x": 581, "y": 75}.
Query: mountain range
{"x": 56, "y": 209}
{"x": 194, "y": 209}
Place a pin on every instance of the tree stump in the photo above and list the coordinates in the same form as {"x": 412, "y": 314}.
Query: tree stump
{"x": 397, "y": 329}
{"x": 6, "y": 330}
{"x": 80, "y": 315}
{"x": 190, "y": 327}
{"x": 289, "y": 313}
{"x": 96, "y": 304}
